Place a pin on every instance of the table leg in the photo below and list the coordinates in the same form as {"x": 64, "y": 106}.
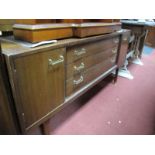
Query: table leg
{"x": 139, "y": 47}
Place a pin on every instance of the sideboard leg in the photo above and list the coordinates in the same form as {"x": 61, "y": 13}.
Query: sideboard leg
{"x": 43, "y": 129}
{"x": 116, "y": 76}
{"x": 43, "y": 132}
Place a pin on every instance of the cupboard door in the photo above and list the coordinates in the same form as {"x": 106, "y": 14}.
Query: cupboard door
{"x": 40, "y": 84}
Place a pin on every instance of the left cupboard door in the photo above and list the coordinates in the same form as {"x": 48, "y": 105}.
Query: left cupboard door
{"x": 40, "y": 84}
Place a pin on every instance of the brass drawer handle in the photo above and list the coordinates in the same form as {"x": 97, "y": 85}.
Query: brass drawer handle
{"x": 79, "y": 68}
{"x": 113, "y": 59}
{"x": 76, "y": 82}
{"x": 80, "y": 52}
{"x": 114, "y": 51}
{"x": 56, "y": 62}
{"x": 116, "y": 40}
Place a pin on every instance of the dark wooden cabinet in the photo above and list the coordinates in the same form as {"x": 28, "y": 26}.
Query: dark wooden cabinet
{"x": 47, "y": 78}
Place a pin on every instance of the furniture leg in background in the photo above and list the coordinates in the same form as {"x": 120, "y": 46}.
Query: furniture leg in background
{"x": 138, "y": 53}
{"x": 124, "y": 72}
{"x": 124, "y": 55}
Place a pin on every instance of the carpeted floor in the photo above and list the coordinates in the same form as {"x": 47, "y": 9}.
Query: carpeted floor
{"x": 128, "y": 107}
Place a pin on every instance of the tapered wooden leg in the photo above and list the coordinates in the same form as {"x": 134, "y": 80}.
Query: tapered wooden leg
{"x": 44, "y": 128}
{"x": 115, "y": 76}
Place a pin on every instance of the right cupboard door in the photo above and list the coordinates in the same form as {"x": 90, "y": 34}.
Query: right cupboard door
{"x": 40, "y": 84}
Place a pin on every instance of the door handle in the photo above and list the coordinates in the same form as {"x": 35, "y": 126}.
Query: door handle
{"x": 56, "y": 62}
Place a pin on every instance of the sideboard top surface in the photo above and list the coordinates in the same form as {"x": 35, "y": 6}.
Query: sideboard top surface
{"x": 11, "y": 47}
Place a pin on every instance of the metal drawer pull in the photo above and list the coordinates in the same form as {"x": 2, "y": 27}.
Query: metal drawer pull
{"x": 79, "y": 67}
{"x": 56, "y": 62}
{"x": 113, "y": 60}
{"x": 76, "y": 82}
{"x": 116, "y": 40}
{"x": 114, "y": 50}
{"x": 80, "y": 52}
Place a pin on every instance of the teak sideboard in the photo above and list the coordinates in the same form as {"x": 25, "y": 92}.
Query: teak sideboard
{"x": 45, "y": 79}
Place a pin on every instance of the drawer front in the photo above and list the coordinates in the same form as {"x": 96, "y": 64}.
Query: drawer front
{"x": 79, "y": 80}
{"x": 76, "y": 52}
{"x": 84, "y": 63}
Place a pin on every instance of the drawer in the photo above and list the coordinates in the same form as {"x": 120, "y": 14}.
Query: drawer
{"x": 76, "y": 52}
{"x": 78, "y": 81}
{"x": 84, "y": 63}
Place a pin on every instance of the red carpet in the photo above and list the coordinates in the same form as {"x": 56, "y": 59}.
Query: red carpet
{"x": 125, "y": 108}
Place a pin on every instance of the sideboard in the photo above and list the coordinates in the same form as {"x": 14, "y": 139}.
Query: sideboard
{"x": 45, "y": 79}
